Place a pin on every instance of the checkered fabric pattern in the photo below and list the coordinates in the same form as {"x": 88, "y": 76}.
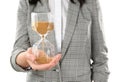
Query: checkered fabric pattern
{"x": 83, "y": 42}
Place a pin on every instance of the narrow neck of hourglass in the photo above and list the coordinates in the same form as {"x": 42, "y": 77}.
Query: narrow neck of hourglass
{"x": 43, "y": 36}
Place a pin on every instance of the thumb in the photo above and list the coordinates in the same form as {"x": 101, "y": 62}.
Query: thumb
{"x": 29, "y": 50}
{"x": 31, "y": 57}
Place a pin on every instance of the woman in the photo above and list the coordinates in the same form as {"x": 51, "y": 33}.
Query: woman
{"x": 83, "y": 43}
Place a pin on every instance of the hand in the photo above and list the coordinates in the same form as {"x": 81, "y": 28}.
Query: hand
{"x": 31, "y": 59}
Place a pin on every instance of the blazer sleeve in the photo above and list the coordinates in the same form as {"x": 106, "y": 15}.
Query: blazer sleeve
{"x": 22, "y": 40}
{"x": 100, "y": 70}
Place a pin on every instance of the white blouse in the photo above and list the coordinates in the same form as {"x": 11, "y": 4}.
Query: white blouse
{"x": 59, "y": 9}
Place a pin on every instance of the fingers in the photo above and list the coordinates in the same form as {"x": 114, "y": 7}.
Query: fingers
{"x": 39, "y": 67}
{"x": 55, "y": 61}
{"x": 29, "y": 55}
{"x": 48, "y": 66}
{"x": 29, "y": 50}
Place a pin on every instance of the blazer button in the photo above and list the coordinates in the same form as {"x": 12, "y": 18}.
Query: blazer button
{"x": 57, "y": 70}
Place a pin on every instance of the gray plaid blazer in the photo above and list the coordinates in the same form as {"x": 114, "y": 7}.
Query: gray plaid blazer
{"x": 84, "y": 42}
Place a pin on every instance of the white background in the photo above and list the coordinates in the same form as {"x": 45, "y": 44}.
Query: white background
{"x": 111, "y": 19}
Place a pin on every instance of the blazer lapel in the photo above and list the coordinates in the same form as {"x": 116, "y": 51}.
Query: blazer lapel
{"x": 72, "y": 17}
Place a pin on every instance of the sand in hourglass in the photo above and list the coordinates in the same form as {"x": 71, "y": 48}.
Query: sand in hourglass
{"x": 43, "y": 58}
{"x": 42, "y": 28}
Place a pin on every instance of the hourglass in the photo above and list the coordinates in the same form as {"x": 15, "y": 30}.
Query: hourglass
{"x": 43, "y": 24}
